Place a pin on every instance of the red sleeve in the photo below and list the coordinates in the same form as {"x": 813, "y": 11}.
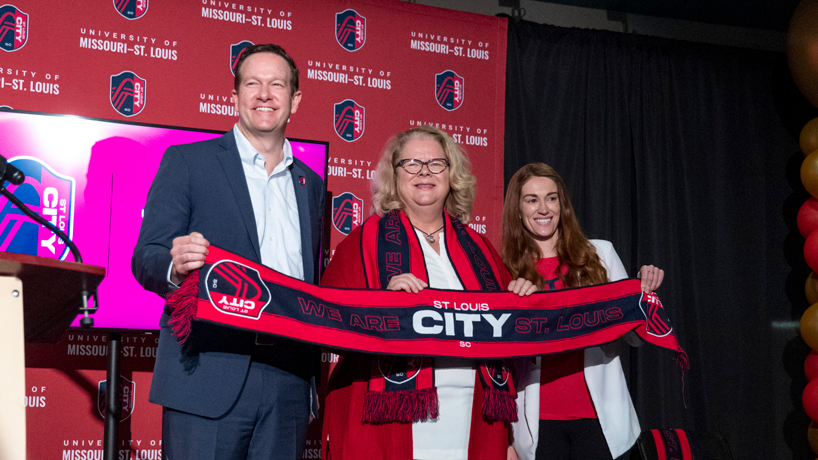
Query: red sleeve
{"x": 346, "y": 267}
{"x": 505, "y": 276}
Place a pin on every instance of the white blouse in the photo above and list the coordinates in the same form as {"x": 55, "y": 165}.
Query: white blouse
{"x": 447, "y": 437}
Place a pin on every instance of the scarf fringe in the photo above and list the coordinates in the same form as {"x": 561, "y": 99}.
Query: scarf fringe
{"x": 404, "y": 406}
{"x": 183, "y": 303}
{"x": 682, "y": 359}
{"x": 499, "y": 406}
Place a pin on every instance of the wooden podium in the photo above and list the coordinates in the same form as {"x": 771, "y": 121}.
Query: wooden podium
{"x": 53, "y": 296}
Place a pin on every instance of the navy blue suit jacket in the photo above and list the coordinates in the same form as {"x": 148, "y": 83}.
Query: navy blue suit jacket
{"x": 202, "y": 187}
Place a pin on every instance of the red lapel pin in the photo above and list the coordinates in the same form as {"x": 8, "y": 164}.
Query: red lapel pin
{"x": 302, "y": 180}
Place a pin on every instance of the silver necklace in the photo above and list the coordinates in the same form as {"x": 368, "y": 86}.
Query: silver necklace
{"x": 429, "y": 237}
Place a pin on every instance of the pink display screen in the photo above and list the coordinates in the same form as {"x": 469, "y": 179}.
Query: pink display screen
{"x": 91, "y": 178}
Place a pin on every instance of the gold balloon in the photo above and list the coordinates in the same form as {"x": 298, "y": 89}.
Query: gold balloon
{"x": 809, "y": 173}
{"x": 809, "y": 137}
{"x": 802, "y": 49}
{"x": 812, "y": 435}
{"x": 811, "y": 289}
{"x": 809, "y": 326}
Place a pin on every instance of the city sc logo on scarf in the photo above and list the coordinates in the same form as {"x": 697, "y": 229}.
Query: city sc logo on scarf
{"x": 13, "y": 28}
{"x": 449, "y": 90}
{"x": 658, "y": 323}
{"x": 235, "y": 53}
{"x": 127, "y": 392}
{"x": 349, "y": 120}
{"x": 347, "y": 212}
{"x": 497, "y": 373}
{"x": 350, "y": 30}
{"x": 131, "y": 9}
{"x": 236, "y": 289}
{"x": 49, "y": 194}
{"x": 128, "y": 93}
{"x": 399, "y": 370}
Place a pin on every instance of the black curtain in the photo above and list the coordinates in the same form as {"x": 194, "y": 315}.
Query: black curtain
{"x": 685, "y": 156}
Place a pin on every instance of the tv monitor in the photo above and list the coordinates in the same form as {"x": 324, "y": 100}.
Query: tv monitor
{"x": 91, "y": 178}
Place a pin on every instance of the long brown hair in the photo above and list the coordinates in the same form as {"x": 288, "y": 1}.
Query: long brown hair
{"x": 520, "y": 252}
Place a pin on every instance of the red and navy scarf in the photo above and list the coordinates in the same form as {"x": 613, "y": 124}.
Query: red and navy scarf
{"x": 667, "y": 445}
{"x": 232, "y": 291}
{"x": 403, "y": 389}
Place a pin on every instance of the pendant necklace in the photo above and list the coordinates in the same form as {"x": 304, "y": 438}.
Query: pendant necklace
{"x": 429, "y": 237}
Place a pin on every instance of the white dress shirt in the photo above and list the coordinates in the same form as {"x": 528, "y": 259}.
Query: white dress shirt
{"x": 274, "y": 207}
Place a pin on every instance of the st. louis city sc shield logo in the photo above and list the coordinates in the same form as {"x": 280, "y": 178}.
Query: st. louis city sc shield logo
{"x": 235, "y": 53}
{"x": 399, "y": 371}
{"x": 449, "y": 90}
{"x": 498, "y": 374}
{"x": 131, "y": 9}
{"x": 127, "y": 393}
{"x": 350, "y": 30}
{"x": 49, "y": 194}
{"x": 347, "y": 212}
{"x": 236, "y": 289}
{"x": 658, "y": 323}
{"x": 13, "y": 28}
{"x": 349, "y": 120}
{"x": 128, "y": 93}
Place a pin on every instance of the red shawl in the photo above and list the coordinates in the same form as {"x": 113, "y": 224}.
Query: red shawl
{"x": 344, "y": 434}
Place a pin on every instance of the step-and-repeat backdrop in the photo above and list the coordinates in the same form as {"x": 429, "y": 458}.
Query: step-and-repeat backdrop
{"x": 369, "y": 69}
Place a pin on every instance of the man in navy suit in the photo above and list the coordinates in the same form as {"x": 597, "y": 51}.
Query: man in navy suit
{"x": 229, "y": 394}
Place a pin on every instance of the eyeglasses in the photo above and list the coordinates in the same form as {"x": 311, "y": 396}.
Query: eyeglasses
{"x": 413, "y": 166}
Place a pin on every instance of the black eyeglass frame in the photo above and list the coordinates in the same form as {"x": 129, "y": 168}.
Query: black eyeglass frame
{"x": 403, "y": 162}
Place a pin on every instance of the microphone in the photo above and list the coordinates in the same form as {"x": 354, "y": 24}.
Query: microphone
{"x": 9, "y": 172}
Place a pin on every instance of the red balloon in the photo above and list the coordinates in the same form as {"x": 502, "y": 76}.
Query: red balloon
{"x": 808, "y": 217}
{"x": 811, "y": 365}
{"x": 809, "y": 399}
{"x": 811, "y": 251}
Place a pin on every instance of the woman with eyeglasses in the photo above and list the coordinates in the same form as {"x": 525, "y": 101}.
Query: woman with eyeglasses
{"x": 574, "y": 405}
{"x": 380, "y": 407}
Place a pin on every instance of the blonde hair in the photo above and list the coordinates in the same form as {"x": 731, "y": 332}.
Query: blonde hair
{"x": 385, "y": 195}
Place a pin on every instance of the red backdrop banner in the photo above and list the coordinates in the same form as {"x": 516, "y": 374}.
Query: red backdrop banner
{"x": 368, "y": 69}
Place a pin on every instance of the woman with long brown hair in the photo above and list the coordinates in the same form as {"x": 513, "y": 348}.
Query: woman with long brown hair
{"x": 573, "y": 405}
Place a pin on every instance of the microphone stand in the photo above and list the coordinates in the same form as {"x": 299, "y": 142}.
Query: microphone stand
{"x": 113, "y": 406}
